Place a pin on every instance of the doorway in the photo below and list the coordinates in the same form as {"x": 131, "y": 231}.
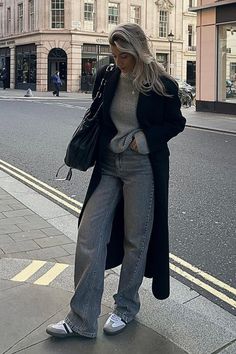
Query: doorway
{"x": 57, "y": 61}
{"x": 191, "y": 73}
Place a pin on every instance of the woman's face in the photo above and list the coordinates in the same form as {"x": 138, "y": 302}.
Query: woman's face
{"x": 124, "y": 61}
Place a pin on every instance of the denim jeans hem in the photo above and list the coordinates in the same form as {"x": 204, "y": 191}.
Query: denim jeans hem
{"x": 77, "y": 330}
{"x": 125, "y": 318}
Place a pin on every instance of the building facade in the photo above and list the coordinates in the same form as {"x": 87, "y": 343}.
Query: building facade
{"x": 39, "y": 37}
{"x": 216, "y": 56}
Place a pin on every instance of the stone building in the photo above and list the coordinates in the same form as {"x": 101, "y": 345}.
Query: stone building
{"x": 216, "y": 56}
{"x": 39, "y": 37}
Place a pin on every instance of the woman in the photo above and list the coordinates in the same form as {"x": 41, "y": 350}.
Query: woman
{"x": 124, "y": 218}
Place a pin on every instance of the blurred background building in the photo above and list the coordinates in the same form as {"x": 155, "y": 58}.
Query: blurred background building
{"x": 39, "y": 37}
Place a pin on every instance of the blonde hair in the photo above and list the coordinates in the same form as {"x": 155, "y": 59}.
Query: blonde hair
{"x": 130, "y": 38}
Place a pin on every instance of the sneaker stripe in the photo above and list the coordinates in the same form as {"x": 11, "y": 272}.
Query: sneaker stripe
{"x": 67, "y": 328}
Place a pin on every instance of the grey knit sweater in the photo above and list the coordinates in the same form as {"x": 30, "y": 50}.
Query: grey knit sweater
{"x": 123, "y": 114}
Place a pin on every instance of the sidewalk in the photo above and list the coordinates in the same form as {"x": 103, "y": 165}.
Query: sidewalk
{"x": 34, "y": 294}
{"x": 203, "y": 120}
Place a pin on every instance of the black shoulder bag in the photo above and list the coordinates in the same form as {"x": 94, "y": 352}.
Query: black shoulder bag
{"x": 81, "y": 152}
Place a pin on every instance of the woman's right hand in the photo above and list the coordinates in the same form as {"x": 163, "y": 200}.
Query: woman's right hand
{"x": 133, "y": 145}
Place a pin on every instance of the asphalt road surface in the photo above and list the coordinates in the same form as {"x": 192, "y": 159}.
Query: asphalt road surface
{"x": 34, "y": 136}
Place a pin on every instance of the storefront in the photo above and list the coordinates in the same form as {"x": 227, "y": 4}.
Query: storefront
{"x": 93, "y": 57}
{"x": 216, "y": 57}
{"x": 25, "y": 69}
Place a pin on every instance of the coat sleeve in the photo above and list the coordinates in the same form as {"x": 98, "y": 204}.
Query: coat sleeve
{"x": 98, "y": 79}
{"x": 173, "y": 121}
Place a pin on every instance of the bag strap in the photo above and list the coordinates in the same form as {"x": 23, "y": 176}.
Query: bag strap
{"x": 104, "y": 81}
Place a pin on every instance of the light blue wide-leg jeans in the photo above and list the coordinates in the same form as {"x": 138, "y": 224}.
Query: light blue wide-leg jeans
{"x": 128, "y": 173}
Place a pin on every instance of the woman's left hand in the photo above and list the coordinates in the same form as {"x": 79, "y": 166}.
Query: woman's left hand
{"x": 133, "y": 145}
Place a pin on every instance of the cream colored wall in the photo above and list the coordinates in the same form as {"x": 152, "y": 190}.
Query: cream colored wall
{"x": 207, "y": 56}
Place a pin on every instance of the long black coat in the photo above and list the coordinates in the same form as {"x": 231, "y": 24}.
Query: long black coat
{"x": 160, "y": 119}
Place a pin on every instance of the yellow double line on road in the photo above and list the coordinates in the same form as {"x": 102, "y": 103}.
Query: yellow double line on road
{"x": 42, "y": 187}
{"x": 34, "y": 267}
{"x": 178, "y": 265}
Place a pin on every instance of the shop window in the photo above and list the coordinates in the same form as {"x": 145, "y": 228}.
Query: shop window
{"x": 113, "y": 14}
{"x": 163, "y": 23}
{"x": 25, "y": 65}
{"x": 57, "y": 13}
{"x": 227, "y": 63}
{"x": 105, "y": 49}
{"x": 135, "y": 14}
{"x": 89, "y": 48}
{"x": 20, "y": 18}
{"x": 93, "y": 57}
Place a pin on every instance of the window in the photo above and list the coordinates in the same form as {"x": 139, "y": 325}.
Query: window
{"x": 20, "y": 18}
{"x": 113, "y": 14}
{"x": 190, "y": 36}
{"x": 227, "y": 63}
{"x": 31, "y": 15}
{"x": 89, "y": 15}
{"x": 57, "y": 9}
{"x": 191, "y": 4}
{"x": 25, "y": 66}
{"x": 233, "y": 72}
{"x": 162, "y": 59}
{"x": 135, "y": 14}
{"x": 163, "y": 24}
{"x": 1, "y": 22}
{"x": 8, "y": 20}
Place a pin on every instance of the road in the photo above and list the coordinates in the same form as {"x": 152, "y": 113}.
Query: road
{"x": 34, "y": 136}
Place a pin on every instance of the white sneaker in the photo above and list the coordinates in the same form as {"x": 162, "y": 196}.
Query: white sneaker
{"x": 114, "y": 325}
{"x": 61, "y": 330}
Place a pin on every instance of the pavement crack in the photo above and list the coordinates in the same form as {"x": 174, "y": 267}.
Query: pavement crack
{"x": 31, "y": 345}
{"x": 193, "y": 298}
{"x": 224, "y": 347}
{"x": 20, "y": 340}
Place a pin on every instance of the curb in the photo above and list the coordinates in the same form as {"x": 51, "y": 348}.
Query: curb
{"x": 211, "y": 129}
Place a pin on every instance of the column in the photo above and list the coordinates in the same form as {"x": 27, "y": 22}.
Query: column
{"x": 42, "y": 68}
{"x": 12, "y": 66}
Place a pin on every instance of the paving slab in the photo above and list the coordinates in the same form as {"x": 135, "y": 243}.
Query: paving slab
{"x": 189, "y": 327}
{"x": 31, "y": 308}
{"x": 136, "y": 339}
{"x": 24, "y": 307}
